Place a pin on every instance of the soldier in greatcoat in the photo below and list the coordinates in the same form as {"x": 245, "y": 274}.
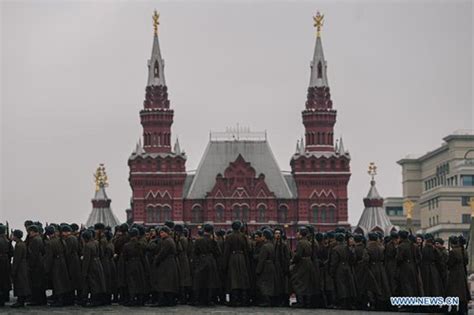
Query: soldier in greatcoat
{"x": 457, "y": 281}
{"x": 182, "y": 247}
{"x": 20, "y": 277}
{"x": 341, "y": 260}
{"x": 442, "y": 263}
{"x": 6, "y": 252}
{"x": 93, "y": 278}
{"x": 375, "y": 251}
{"x": 56, "y": 267}
{"x": 167, "y": 277}
{"x": 236, "y": 256}
{"x": 206, "y": 280}
{"x": 36, "y": 270}
{"x": 133, "y": 257}
{"x": 265, "y": 271}
{"x": 282, "y": 268}
{"x": 73, "y": 262}
{"x": 431, "y": 258}
{"x": 302, "y": 270}
{"x": 407, "y": 269}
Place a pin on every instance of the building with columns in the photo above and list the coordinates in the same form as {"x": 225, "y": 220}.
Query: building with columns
{"x": 238, "y": 176}
{"x": 440, "y": 183}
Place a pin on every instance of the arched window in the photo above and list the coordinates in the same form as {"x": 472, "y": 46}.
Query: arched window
{"x": 331, "y": 214}
{"x": 245, "y": 213}
{"x": 261, "y": 213}
{"x": 152, "y": 214}
{"x": 153, "y": 140}
{"x": 320, "y": 70}
{"x": 319, "y": 138}
{"x": 219, "y": 213}
{"x": 166, "y": 214}
{"x": 158, "y": 165}
{"x": 236, "y": 212}
{"x": 196, "y": 214}
{"x": 315, "y": 213}
{"x": 282, "y": 214}
{"x": 323, "y": 164}
{"x": 323, "y": 215}
{"x": 159, "y": 139}
{"x": 156, "y": 69}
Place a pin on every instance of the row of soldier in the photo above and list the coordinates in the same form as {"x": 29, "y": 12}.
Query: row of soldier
{"x": 164, "y": 266}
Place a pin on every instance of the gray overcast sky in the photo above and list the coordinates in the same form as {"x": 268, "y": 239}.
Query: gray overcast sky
{"x": 73, "y": 76}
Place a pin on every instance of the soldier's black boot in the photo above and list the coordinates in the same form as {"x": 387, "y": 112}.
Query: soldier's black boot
{"x": 58, "y": 302}
{"x": 299, "y": 302}
{"x": 20, "y": 302}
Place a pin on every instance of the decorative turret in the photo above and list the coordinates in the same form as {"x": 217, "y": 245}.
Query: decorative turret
{"x": 101, "y": 212}
{"x": 373, "y": 217}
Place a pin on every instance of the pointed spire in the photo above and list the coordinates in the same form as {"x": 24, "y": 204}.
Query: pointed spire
{"x": 302, "y": 147}
{"x": 139, "y": 149}
{"x": 156, "y": 65}
{"x": 318, "y": 64}
{"x": 297, "y": 147}
{"x": 177, "y": 148}
{"x": 341, "y": 151}
{"x": 336, "y": 146}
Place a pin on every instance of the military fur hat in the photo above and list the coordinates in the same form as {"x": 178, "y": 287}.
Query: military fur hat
{"x": 133, "y": 232}
{"x": 236, "y": 225}
{"x": 99, "y": 226}
{"x": 439, "y": 240}
{"x": 169, "y": 224}
{"x": 33, "y": 228}
{"x": 429, "y": 237}
{"x": 303, "y": 231}
{"x": 179, "y": 228}
{"x": 123, "y": 228}
{"x": 394, "y": 235}
{"x": 220, "y": 233}
{"x": 208, "y": 228}
{"x": 373, "y": 236}
{"x": 331, "y": 234}
{"x": 340, "y": 237}
{"x": 340, "y": 229}
{"x": 319, "y": 237}
{"x": 403, "y": 234}
{"x": 18, "y": 233}
{"x": 462, "y": 239}
{"x": 49, "y": 230}
{"x": 258, "y": 233}
{"x": 358, "y": 238}
{"x": 165, "y": 229}
{"x": 453, "y": 239}
{"x": 66, "y": 228}
{"x": 3, "y": 229}
{"x": 310, "y": 229}
{"x": 87, "y": 235}
{"x": 268, "y": 234}
{"x": 28, "y": 223}
{"x": 74, "y": 227}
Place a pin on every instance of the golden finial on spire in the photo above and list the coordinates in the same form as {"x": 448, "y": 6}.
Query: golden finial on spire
{"x": 156, "y": 22}
{"x": 318, "y": 22}
{"x": 100, "y": 177}
{"x": 372, "y": 170}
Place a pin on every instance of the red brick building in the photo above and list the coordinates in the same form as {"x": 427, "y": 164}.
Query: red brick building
{"x": 238, "y": 176}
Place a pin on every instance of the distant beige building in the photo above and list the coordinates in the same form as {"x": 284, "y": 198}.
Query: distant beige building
{"x": 440, "y": 183}
{"x": 393, "y": 207}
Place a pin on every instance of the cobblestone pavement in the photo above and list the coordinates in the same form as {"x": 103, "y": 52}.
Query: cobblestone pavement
{"x": 218, "y": 310}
